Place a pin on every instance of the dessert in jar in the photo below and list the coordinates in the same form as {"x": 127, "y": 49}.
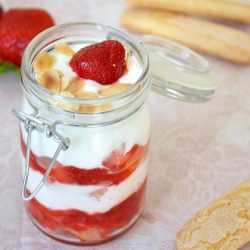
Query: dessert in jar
{"x": 96, "y": 187}
{"x": 85, "y": 128}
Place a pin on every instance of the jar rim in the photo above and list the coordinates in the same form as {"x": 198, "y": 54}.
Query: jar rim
{"x": 35, "y": 87}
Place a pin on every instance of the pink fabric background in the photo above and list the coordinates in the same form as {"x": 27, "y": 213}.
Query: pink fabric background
{"x": 198, "y": 151}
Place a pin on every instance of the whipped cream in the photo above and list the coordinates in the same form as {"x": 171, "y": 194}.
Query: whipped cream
{"x": 63, "y": 196}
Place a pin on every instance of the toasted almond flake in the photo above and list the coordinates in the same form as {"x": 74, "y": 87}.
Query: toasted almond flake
{"x": 86, "y": 95}
{"x": 63, "y": 80}
{"x": 50, "y": 80}
{"x": 44, "y": 61}
{"x": 60, "y": 73}
{"x": 67, "y": 106}
{"x": 66, "y": 93}
{"x": 76, "y": 86}
{"x": 128, "y": 59}
{"x": 94, "y": 108}
{"x": 64, "y": 83}
{"x": 64, "y": 49}
{"x": 114, "y": 89}
{"x": 38, "y": 77}
{"x": 99, "y": 193}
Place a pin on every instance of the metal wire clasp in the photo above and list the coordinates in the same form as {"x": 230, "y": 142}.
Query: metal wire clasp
{"x": 33, "y": 122}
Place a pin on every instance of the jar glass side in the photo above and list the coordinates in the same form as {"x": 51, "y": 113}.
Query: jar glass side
{"x": 96, "y": 188}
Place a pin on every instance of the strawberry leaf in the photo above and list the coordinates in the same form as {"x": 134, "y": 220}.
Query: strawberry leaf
{"x": 7, "y": 66}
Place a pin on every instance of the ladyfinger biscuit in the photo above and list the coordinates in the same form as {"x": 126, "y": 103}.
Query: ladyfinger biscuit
{"x": 204, "y": 36}
{"x": 223, "y": 225}
{"x": 225, "y": 9}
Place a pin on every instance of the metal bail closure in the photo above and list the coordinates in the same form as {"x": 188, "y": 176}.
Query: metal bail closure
{"x": 178, "y": 71}
{"x": 31, "y": 123}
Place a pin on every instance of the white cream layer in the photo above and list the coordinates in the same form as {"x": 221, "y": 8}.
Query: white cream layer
{"x": 64, "y": 196}
{"x": 89, "y": 147}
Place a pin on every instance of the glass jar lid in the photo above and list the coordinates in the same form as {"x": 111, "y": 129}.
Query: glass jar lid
{"x": 178, "y": 71}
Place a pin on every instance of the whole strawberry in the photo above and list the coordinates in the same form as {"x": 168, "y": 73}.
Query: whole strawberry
{"x": 102, "y": 62}
{"x": 17, "y": 28}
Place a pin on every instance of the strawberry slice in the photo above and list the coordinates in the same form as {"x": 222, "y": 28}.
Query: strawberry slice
{"x": 17, "y": 28}
{"x": 119, "y": 160}
{"x": 102, "y": 62}
{"x": 115, "y": 162}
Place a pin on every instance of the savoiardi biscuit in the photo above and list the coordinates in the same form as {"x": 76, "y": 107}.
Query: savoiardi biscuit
{"x": 233, "y": 10}
{"x": 222, "y": 225}
{"x": 215, "y": 39}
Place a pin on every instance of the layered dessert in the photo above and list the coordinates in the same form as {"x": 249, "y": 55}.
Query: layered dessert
{"x": 96, "y": 188}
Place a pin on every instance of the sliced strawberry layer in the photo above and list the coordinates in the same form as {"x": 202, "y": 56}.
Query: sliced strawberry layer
{"x": 85, "y": 226}
{"x": 119, "y": 166}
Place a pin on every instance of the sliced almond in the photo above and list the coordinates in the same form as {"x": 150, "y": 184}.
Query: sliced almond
{"x": 86, "y": 95}
{"x": 67, "y": 106}
{"x": 89, "y": 108}
{"x": 64, "y": 83}
{"x": 66, "y": 93}
{"x": 76, "y": 86}
{"x": 94, "y": 108}
{"x": 60, "y": 73}
{"x": 128, "y": 59}
{"x": 115, "y": 89}
{"x": 50, "y": 80}
{"x": 64, "y": 49}
{"x": 63, "y": 80}
{"x": 38, "y": 77}
{"x": 44, "y": 61}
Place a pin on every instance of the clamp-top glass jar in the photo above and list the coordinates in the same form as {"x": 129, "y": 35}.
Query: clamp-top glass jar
{"x": 85, "y": 168}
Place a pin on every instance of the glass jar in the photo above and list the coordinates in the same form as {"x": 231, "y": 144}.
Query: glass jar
{"x": 85, "y": 171}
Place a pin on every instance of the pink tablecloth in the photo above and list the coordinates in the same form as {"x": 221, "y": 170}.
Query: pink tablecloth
{"x": 198, "y": 151}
